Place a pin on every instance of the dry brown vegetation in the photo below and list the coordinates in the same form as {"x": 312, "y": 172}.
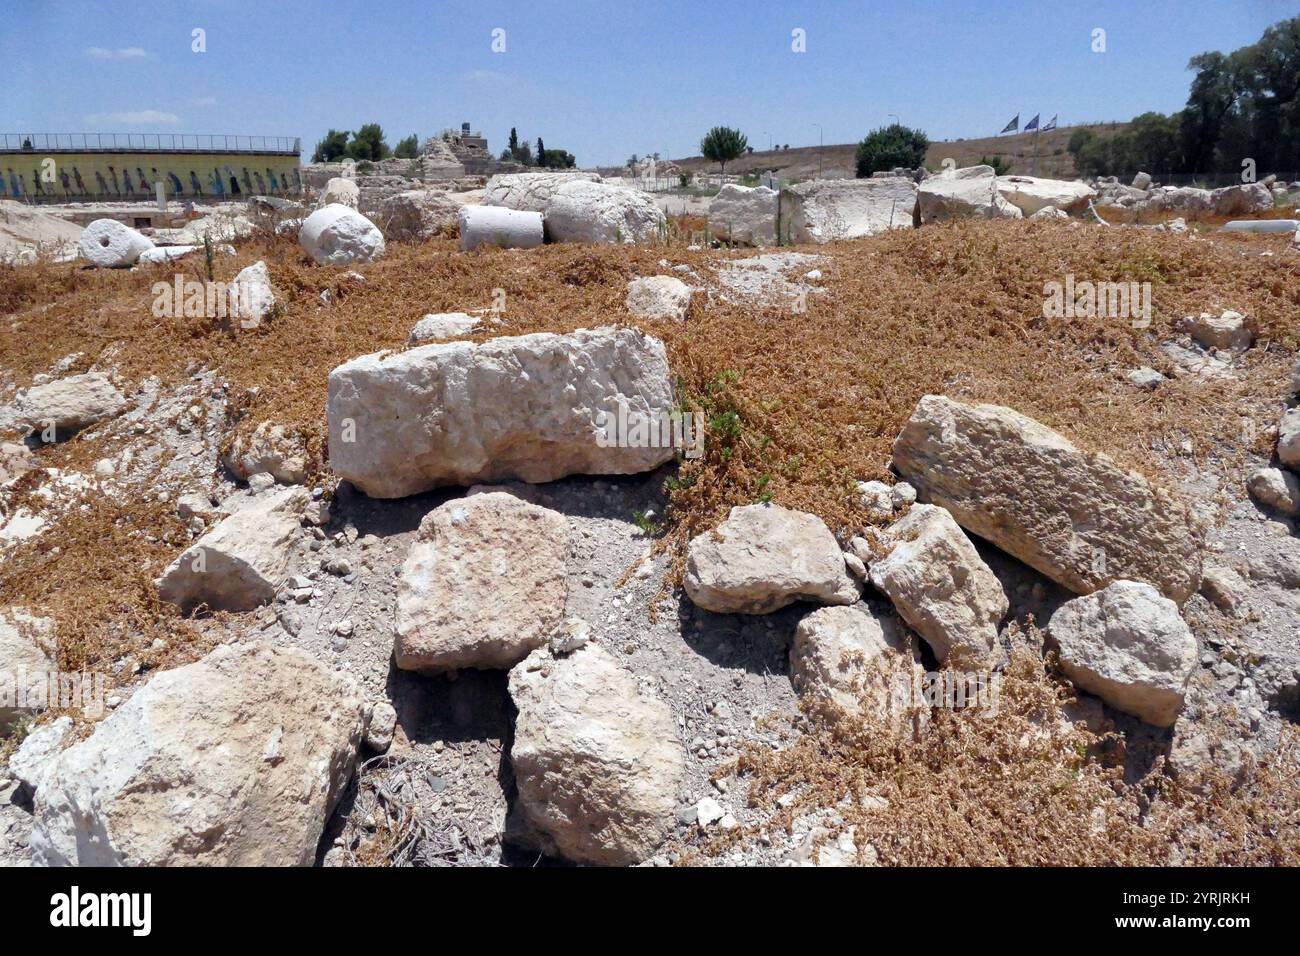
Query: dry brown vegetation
{"x": 801, "y": 404}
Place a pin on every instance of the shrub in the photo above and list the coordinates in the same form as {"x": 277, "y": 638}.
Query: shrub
{"x": 722, "y": 144}
{"x": 895, "y": 145}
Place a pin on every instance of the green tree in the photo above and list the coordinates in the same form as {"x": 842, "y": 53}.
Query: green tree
{"x": 722, "y": 144}
{"x": 333, "y": 147}
{"x": 1000, "y": 166}
{"x": 891, "y": 146}
{"x": 368, "y": 143}
{"x": 541, "y": 152}
{"x": 407, "y": 148}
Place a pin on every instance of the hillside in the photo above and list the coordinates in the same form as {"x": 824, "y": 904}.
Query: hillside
{"x": 1018, "y": 149}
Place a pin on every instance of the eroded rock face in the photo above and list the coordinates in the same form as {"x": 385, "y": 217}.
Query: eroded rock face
{"x": 271, "y": 448}
{"x": 824, "y": 210}
{"x": 338, "y": 235}
{"x": 1244, "y": 198}
{"x": 941, "y": 586}
{"x": 527, "y": 407}
{"x": 108, "y": 244}
{"x": 597, "y": 212}
{"x": 1072, "y": 515}
{"x": 597, "y": 760}
{"x": 16, "y": 460}
{"x": 26, "y": 652}
{"x": 69, "y": 404}
{"x": 849, "y": 657}
{"x": 529, "y": 191}
{"x": 483, "y": 585}
{"x": 1128, "y": 645}
{"x": 344, "y": 192}
{"x": 235, "y": 760}
{"x": 419, "y": 214}
{"x": 764, "y": 557}
{"x": 744, "y": 215}
{"x": 1030, "y": 194}
{"x": 966, "y": 193}
{"x": 658, "y": 297}
{"x": 239, "y": 564}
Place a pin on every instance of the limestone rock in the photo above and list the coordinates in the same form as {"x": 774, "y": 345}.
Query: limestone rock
{"x": 1226, "y": 331}
{"x": 107, "y": 244}
{"x": 252, "y": 298}
{"x": 586, "y": 211}
{"x": 1030, "y": 194}
{"x": 383, "y": 725}
{"x": 941, "y": 586}
{"x": 658, "y": 297}
{"x": 848, "y": 656}
{"x": 69, "y": 404}
{"x": 37, "y": 753}
{"x": 239, "y": 564}
{"x": 1128, "y": 645}
{"x": 160, "y": 254}
{"x": 1223, "y": 587}
{"x": 340, "y": 191}
{"x": 271, "y": 449}
{"x": 1276, "y": 489}
{"x": 1142, "y": 181}
{"x": 597, "y": 761}
{"x": 1288, "y": 439}
{"x": 338, "y": 235}
{"x": 26, "y": 650}
{"x": 16, "y": 460}
{"x": 1243, "y": 198}
{"x": 824, "y": 210}
{"x": 1074, "y": 516}
{"x": 966, "y": 193}
{"x": 531, "y": 192}
{"x": 483, "y": 585}
{"x": 1050, "y": 212}
{"x": 497, "y": 226}
{"x": 443, "y": 325}
{"x": 764, "y": 557}
{"x": 744, "y": 215}
{"x": 417, "y": 215}
{"x": 529, "y": 407}
{"x": 235, "y": 760}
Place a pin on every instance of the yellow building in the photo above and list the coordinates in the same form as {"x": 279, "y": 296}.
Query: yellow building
{"x": 80, "y": 167}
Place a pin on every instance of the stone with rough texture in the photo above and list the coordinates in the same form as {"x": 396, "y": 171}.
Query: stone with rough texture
{"x": 107, "y": 244}
{"x": 37, "y": 753}
{"x": 1277, "y": 489}
{"x": 270, "y": 448}
{"x": 764, "y": 557}
{"x": 500, "y": 227}
{"x": 845, "y": 656}
{"x": 383, "y": 726}
{"x": 443, "y": 325}
{"x": 597, "y": 760}
{"x": 1142, "y": 181}
{"x": 1186, "y": 198}
{"x": 338, "y": 235}
{"x": 417, "y": 215}
{"x": 825, "y": 210}
{"x": 529, "y": 407}
{"x": 1072, "y": 515}
{"x": 744, "y": 215}
{"x": 1128, "y": 645}
{"x": 1030, "y": 194}
{"x": 235, "y": 760}
{"x": 966, "y": 193}
{"x": 1226, "y": 331}
{"x": 69, "y": 404}
{"x": 1050, "y": 212}
{"x": 1288, "y": 439}
{"x": 483, "y": 585}
{"x": 658, "y": 297}
{"x": 344, "y": 192}
{"x": 26, "y": 648}
{"x": 161, "y": 254}
{"x": 1243, "y": 198}
{"x": 531, "y": 192}
{"x": 252, "y": 298}
{"x": 16, "y": 460}
{"x": 597, "y": 212}
{"x": 239, "y": 564}
{"x": 940, "y": 585}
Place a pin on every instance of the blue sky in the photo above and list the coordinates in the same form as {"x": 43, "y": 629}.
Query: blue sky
{"x": 602, "y": 79}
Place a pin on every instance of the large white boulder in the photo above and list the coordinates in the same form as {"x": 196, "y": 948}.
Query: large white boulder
{"x": 419, "y": 214}
{"x": 498, "y": 226}
{"x": 107, "y": 244}
{"x": 235, "y": 760}
{"x": 536, "y": 407}
{"x": 941, "y": 586}
{"x": 1243, "y": 198}
{"x": 239, "y": 564}
{"x": 971, "y": 192}
{"x": 437, "y": 326}
{"x": 483, "y": 585}
{"x": 344, "y": 192}
{"x": 531, "y": 192}
{"x": 69, "y": 404}
{"x": 744, "y": 215}
{"x": 26, "y": 657}
{"x": 658, "y": 297}
{"x": 596, "y": 758}
{"x": 338, "y": 235}
{"x": 849, "y": 657}
{"x": 1128, "y": 645}
{"x": 1030, "y": 193}
{"x": 597, "y": 212}
{"x": 764, "y": 557}
{"x": 1075, "y": 516}
{"x": 37, "y": 753}
{"x": 824, "y": 210}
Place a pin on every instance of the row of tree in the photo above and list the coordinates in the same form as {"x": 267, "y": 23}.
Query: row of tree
{"x": 522, "y": 152}
{"x": 367, "y": 143}
{"x": 1243, "y": 105}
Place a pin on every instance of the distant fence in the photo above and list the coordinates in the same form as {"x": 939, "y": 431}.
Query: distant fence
{"x": 148, "y": 143}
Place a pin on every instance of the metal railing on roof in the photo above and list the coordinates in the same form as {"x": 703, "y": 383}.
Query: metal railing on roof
{"x": 148, "y": 142}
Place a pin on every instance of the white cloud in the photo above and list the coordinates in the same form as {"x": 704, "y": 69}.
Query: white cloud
{"x": 121, "y": 53}
{"x": 204, "y": 101}
{"x": 135, "y": 118}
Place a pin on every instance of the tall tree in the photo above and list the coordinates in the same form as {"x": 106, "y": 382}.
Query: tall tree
{"x": 722, "y": 144}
